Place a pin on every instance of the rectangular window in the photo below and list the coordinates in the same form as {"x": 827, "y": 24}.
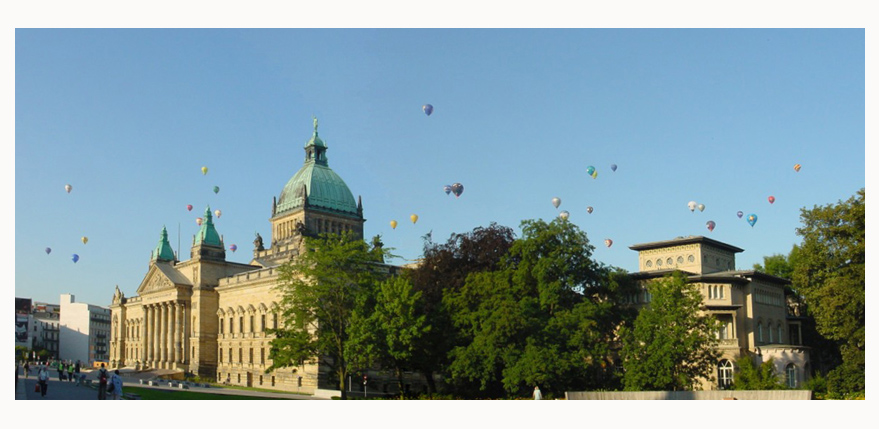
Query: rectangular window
{"x": 241, "y": 324}
{"x": 262, "y": 324}
{"x": 231, "y": 326}
{"x": 251, "y": 355}
{"x": 251, "y": 324}
{"x": 222, "y": 322}
{"x": 240, "y": 355}
{"x": 220, "y": 353}
{"x": 262, "y": 355}
{"x": 230, "y": 354}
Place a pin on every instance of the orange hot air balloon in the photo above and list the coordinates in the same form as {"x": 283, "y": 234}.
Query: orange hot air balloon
{"x": 797, "y": 167}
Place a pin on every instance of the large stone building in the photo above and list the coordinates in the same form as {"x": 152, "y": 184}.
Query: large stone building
{"x": 756, "y": 319}
{"x": 209, "y": 316}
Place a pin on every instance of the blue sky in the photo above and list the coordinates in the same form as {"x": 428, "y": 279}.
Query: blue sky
{"x": 128, "y": 118}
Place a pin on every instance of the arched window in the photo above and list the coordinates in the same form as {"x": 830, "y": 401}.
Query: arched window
{"x": 724, "y": 374}
{"x": 760, "y": 332}
{"x": 790, "y": 376}
{"x": 780, "y": 332}
{"x": 771, "y": 340}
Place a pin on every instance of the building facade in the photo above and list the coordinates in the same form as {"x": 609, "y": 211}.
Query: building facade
{"x": 756, "y": 318}
{"x": 47, "y": 328}
{"x": 209, "y": 316}
{"x": 83, "y": 331}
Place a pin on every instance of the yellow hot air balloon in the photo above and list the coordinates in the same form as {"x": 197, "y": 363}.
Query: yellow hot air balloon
{"x": 204, "y": 170}
{"x": 85, "y": 240}
{"x": 393, "y": 224}
{"x": 217, "y": 213}
{"x": 414, "y": 218}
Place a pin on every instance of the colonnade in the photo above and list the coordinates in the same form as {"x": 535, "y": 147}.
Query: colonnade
{"x": 165, "y": 334}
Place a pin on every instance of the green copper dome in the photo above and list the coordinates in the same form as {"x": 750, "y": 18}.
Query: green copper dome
{"x": 316, "y": 185}
{"x": 207, "y": 234}
{"x": 163, "y": 251}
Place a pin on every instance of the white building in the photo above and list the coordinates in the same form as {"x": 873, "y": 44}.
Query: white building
{"x": 46, "y": 327}
{"x": 84, "y": 331}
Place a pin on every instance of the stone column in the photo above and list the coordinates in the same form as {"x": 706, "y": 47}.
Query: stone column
{"x": 163, "y": 341}
{"x": 156, "y": 318}
{"x": 172, "y": 332}
{"x": 169, "y": 332}
{"x": 178, "y": 333}
{"x": 147, "y": 333}
{"x": 160, "y": 333}
{"x": 187, "y": 358}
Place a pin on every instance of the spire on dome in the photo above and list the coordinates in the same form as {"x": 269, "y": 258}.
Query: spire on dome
{"x": 163, "y": 250}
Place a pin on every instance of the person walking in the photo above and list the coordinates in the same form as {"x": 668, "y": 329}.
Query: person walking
{"x": 43, "y": 379}
{"x": 60, "y": 369}
{"x": 102, "y": 383}
{"x": 26, "y": 369}
{"x": 76, "y": 369}
{"x": 115, "y": 388}
{"x": 537, "y": 396}
{"x": 69, "y": 371}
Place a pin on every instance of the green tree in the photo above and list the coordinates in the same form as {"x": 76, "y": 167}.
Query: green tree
{"x": 320, "y": 290}
{"x": 830, "y": 274}
{"x": 671, "y": 344}
{"x": 389, "y": 334}
{"x": 751, "y": 377}
{"x": 443, "y": 270}
{"x": 544, "y": 317}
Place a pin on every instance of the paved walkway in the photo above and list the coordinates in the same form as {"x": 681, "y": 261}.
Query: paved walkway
{"x": 66, "y": 390}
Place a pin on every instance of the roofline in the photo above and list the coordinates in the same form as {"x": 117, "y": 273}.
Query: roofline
{"x": 721, "y": 276}
{"x": 686, "y": 240}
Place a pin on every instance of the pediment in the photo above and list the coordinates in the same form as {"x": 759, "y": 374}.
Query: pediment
{"x": 154, "y": 281}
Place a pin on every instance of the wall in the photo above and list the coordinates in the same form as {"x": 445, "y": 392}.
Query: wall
{"x": 785, "y": 395}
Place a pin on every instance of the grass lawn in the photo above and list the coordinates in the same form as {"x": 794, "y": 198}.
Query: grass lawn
{"x": 157, "y": 394}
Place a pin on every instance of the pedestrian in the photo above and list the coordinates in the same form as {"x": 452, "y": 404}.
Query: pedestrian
{"x": 76, "y": 371}
{"x": 43, "y": 378}
{"x": 26, "y": 369}
{"x": 537, "y": 395}
{"x": 102, "y": 383}
{"x": 60, "y": 371}
{"x": 115, "y": 387}
{"x": 69, "y": 371}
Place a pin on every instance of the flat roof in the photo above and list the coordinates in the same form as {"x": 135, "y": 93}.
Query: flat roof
{"x": 686, "y": 240}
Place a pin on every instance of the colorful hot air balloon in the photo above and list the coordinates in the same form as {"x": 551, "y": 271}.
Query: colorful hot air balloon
{"x": 75, "y": 258}
{"x": 68, "y": 188}
{"x": 85, "y": 240}
{"x": 608, "y": 242}
{"x": 204, "y": 170}
{"x": 393, "y": 224}
{"x": 740, "y": 214}
{"x": 233, "y": 248}
{"x": 589, "y": 209}
{"x": 217, "y": 213}
{"x": 701, "y": 207}
{"x": 771, "y": 199}
{"x": 556, "y": 202}
{"x": 710, "y": 225}
{"x": 797, "y": 167}
{"x": 692, "y": 206}
{"x": 613, "y": 167}
{"x": 590, "y": 170}
{"x": 447, "y": 189}
{"x": 216, "y": 189}
{"x": 594, "y": 174}
{"x": 457, "y": 189}
{"x": 48, "y": 250}
{"x": 752, "y": 219}
{"x": 414, "y": 218}
{"x": 198, "y": 221}
{"x": 564, "y": 215}
{"x": 428, "y": 109}
{"x": 189, "y": 207}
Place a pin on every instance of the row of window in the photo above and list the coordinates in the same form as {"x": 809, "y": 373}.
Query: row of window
{"x": 262, "y": 355}
{"x": 725, "y": 375}
{"x": 262, "y": 323}
{"x": 761, "y": 338}
{"x": 715, "y": 291}
{"x": 769, "y": 298}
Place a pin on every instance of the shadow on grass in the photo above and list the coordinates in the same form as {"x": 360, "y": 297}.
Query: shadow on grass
{"x": 157, "y": 394}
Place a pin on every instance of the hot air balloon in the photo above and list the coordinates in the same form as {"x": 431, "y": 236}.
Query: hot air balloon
{"x": 701, "y": 207}
{"x": 564, "y": 215}
{"x": 457, "y": 189}
{"x": 608, "y": 242}
{"x": 594, "y": 174}
{"x": 189, "y": 207}
{"x": 68, "y": 188}
{"x": 613, "y": 167}
{"x": 428, "y": 109}
{"x": 589, "y": 209}
{"x": 233, "y": 248}
{"x": 752, "y": 219}
{"x": 414, "y": 218}
{"x": 216, "y": 189}
{"x": 198, "y": 221}
{"x": 692, "y": 206}
{"x": 85, "y": 240}
{"x": 710, "y": 225}
{"x": 797, "y": 167}
{"x": 447, "y": 189}
{"x": 556, "y": 202}
{"x": 590, "y": 170}
{"x": 740, "y": 214}
{"x": 204, "y": 170}
{"x": 393, "y": 224}
{"x": 75, "y": 258}
{"x": 48, "y": 250}
{"x": 771, "y": 199}
{"x": 217, "y": 213}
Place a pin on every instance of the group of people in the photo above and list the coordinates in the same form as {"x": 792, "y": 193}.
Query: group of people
{"x": 108, "y": 384}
